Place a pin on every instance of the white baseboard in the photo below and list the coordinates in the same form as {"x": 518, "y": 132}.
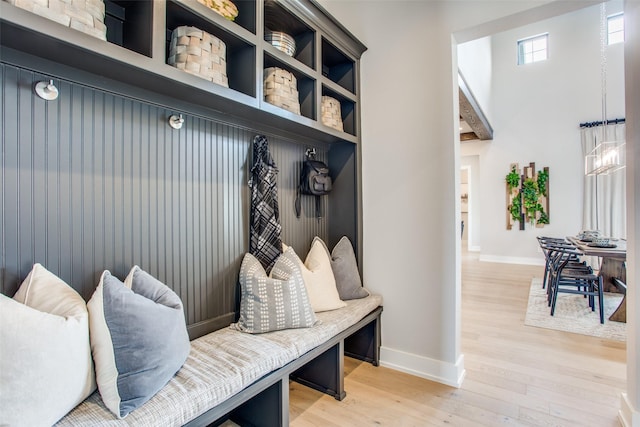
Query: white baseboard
{"x": 628, "y": 415}
{"x": 511, "y": 260}
{"x": 435, "y": 370}
{"x": 474, "y": 249}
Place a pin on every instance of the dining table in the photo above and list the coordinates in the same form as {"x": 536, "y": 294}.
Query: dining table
{"x": 612, "y": 268}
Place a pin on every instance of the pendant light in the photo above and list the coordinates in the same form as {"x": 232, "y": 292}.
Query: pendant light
{"x": 607, "y": 156}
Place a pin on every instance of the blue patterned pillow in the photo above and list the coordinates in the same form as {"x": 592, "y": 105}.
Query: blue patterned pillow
{"x": 275, "y": 302}
{"x": 138, "y": 337}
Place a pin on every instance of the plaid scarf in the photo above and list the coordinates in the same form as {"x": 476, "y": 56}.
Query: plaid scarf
{"x": 265, "y": 242}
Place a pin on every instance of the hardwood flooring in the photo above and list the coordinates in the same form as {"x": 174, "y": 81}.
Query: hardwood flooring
{"x": 516, "y": 375}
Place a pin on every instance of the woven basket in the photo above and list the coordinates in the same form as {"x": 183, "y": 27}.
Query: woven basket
{"x": 82, "y": 15}
{"x": 199, "y": 53}
{"x": 223, "y": 7}
{"x": 331, "y": 114}
{"x": 281, "y": 89}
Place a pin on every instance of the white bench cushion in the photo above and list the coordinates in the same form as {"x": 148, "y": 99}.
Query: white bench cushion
{"x": 220, "y": 365}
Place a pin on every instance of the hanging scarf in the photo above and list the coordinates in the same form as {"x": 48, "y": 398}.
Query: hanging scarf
{"x": 265, "y": 242}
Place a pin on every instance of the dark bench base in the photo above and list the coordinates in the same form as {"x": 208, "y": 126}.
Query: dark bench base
{"x": 265, "y": 403}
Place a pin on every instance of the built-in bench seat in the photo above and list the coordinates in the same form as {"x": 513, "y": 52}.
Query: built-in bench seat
{"x": 244, "y": 377}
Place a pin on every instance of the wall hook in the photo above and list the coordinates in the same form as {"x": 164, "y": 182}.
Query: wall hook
{"x": 46, "y": 90}
{"x": 176, "y": 122}
{"x": 310, "y": 153}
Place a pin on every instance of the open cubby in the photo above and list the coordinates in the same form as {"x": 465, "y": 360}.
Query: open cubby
{"x": 246, "y": 17}
{"x": 347, "y": 110}
{"x": 246, "y": 14}
{"x": 129, "y": 24}
{"x": 240, "y": 55}
{"x": 337, "y": 66}
{"x": 276, "y": 18}
{"x": 306, "y": 87}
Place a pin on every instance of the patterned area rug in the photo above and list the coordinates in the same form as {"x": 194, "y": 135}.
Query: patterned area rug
{"x": 573, "y": 314}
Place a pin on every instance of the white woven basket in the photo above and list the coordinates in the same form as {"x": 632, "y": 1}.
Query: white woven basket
{"x": 82, "y": 15}
{"x": 199, "y": 53}
{"x": 281, "y": 89}
{"x": 330, "y": 113}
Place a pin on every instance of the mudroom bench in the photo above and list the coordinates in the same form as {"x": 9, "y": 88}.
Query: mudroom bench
{"x": 232, "y": 375}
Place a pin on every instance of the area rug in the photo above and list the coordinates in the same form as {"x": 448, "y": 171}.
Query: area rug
{"x": 573, "y": 314}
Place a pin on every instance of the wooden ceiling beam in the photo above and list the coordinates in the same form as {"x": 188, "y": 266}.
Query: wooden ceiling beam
{"x": 471, "y": 112}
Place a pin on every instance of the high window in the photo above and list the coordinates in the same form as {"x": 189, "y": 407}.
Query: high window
{"x": 615, "y": 29}
{"x": 533, "y": 49}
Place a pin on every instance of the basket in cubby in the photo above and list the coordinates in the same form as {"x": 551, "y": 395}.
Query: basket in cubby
{"x": 82, "y": 15}
{"x": 199, "y": 53}
{"x": 223, "y": 7}
{"x": 281, "y": 89}
{"x": 331, "y": 113}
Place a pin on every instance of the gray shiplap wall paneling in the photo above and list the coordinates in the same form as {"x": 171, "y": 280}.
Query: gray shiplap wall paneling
{"x": 96, "y": 181}
{"x": 342, "y": 211}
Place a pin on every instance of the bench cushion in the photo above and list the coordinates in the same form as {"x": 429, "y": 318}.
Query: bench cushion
{"x": 220, "y": 365}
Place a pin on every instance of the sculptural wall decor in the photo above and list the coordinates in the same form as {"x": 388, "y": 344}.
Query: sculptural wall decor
{"x": 527, "y": 196}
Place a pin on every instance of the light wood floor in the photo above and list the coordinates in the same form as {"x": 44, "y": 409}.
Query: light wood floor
{"x": 516, "y": 375}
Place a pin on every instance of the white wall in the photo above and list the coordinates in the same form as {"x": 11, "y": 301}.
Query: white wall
{"x": 536, "y": 110}
{"x": 411, "y": 219}
{"x": 630, "y": 412}
{"x": 409, "y": 130}
{"x": 474, "y": 62}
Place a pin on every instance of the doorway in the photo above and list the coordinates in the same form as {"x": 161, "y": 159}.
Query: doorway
{"x": 465, "y": 205}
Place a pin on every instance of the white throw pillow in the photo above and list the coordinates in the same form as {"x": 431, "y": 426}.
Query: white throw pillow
{"x": 45, "y": 357}
{"x": 319, "y": 280}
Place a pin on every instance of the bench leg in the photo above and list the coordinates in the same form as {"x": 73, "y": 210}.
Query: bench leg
{"x": 324, "y": 373}
{"x": 269, "y": 408}
{"x": 364, "y": 344}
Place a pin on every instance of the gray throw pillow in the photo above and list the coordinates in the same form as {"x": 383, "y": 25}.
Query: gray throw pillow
{"x": 138, "y": 338}
{"x": 345, "y": 270}
{"x": 275, "y": 302}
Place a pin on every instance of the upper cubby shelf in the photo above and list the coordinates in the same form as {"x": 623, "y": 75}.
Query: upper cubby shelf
{"x": 137, "y": 53}
{"x": 280, "y": 25}
{"x": 128, "y": 25}
{"x": 243, "y": 25}
{"x": 338, "y": 67}
{"x": 238, "y": 55}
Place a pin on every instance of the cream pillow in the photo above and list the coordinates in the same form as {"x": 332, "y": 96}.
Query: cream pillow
{"x": 319, "y": 280}
{"x": 45, "y": 357}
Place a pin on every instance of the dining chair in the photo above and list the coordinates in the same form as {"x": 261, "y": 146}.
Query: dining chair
{"x": 565, "y": 276}
{"x": 547, "y": 244}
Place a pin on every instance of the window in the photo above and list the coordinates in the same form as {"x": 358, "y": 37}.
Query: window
{"x": 533, "y": 49}
{"x": 615, "y": 29}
